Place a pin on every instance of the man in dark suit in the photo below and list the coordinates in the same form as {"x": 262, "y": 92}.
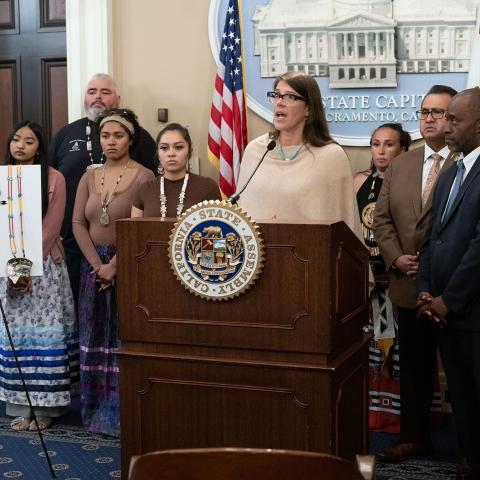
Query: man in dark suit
{"x": 449, "y": 275}
{"x": 401, "y": 219}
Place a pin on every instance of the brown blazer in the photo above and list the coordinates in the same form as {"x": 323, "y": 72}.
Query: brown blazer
{"x": 400, "y": 223}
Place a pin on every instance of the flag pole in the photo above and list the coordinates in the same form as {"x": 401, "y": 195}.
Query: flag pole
{"x": 244, "y": 74}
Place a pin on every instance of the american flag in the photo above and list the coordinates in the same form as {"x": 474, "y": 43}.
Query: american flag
{"x": 227, "y": 133}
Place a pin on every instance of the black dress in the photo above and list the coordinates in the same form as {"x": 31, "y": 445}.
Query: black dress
{"x": 384, "y": 373}
{"x": 367, "y": 197}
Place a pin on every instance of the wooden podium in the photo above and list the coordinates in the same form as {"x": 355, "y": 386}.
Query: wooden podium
{"x": 284, "y": 365}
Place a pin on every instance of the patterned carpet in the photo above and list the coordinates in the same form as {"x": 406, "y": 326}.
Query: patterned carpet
{"x": 440, "y": 466}
{"x": 416, "y": 470}
{"x": 77, "y": 455}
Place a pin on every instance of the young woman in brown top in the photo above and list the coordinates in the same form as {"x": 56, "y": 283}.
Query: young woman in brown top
{"x": 104, "y": 195}
{"x": 176, "y": 189}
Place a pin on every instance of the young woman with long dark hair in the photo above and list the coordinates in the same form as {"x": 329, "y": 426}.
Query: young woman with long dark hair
{"x": 181, "y": 188}
{"x": 104, "y": 195}
{"x": 40, "y": 314}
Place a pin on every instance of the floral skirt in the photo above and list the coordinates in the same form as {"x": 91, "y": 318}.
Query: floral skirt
{"x": 97, "y": 317}
{"x": 44, "y": 331}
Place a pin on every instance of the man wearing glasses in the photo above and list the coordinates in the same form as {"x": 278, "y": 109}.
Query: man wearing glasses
{"x": 402, "y": 215}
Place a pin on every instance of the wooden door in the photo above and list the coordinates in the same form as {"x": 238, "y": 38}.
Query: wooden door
{"x": 33, "y": 65}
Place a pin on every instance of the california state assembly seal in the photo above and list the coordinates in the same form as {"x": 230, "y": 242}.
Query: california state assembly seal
{"x": 216, "y": 250}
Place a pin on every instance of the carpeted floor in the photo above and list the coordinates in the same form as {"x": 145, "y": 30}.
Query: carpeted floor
{"x": 74, "y": 454}
{"x": 440, "y": 466}
{"x": 77, "y": 455}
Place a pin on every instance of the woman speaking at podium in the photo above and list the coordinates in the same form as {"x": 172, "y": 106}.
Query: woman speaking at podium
{"x": 306, "y": 177}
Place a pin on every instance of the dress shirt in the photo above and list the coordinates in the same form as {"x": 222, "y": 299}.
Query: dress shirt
{"x": 468, "y": 162}
{"x": 428, "y": 161}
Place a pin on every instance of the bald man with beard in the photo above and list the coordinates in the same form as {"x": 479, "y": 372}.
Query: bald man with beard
{"x": 77, "y": 146}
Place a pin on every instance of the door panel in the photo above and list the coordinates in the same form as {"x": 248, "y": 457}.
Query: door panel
{"x": 9, "y": 101}
{"x": 52, "y": 13}
{"x": 54, "y": 78}
{"x": 33, "y": 65}
{"x": 7, "y": 15}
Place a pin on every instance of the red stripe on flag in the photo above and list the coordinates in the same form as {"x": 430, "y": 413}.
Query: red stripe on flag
{"x": 214, "y": 147}
{"x": 216, "y": 117}
{"x": 226, "y": 152}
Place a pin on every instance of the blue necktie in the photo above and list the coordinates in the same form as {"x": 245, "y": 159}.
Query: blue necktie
{"x": 457, "y": 183}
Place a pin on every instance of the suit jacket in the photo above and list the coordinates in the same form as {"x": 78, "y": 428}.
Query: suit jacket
{"x": 450, "y": 257}
{"x": 400, "y": 223}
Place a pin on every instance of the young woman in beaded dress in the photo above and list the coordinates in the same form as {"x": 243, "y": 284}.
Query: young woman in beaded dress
{"x": 387, "y": 141}
{"x": 104, "y": 195}
{"x": 41, "y": 315}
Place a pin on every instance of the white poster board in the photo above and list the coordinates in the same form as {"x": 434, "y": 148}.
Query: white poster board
{"x": 32, "y": 218}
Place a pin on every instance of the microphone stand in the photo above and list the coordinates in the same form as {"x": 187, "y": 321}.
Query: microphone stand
{"x": 47, "y": 456}
{"x": 234, "y": 198}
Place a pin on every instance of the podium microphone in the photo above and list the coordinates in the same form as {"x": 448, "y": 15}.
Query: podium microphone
{"x": 234, "y": 198}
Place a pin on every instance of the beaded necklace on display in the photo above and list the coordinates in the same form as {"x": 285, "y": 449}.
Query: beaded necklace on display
{"x": 88, "y": 133}
{"x": 104, "y": 217}
{"x": 285, "y": 156}
{"x": 367, "y": 215}
{"x": 371, "y": 195}
{"x": 11, "y": 226}
{"x": 163, "y": 197}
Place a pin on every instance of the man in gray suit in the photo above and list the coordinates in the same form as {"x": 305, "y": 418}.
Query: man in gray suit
{"x": 401, "y": 219}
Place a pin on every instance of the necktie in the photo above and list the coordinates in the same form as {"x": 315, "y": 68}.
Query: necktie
{"x": 457, "y": 183}
{"x": 432, "y": 177}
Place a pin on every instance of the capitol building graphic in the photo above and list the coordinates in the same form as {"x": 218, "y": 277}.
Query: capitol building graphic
{"x": 364, "y": 43}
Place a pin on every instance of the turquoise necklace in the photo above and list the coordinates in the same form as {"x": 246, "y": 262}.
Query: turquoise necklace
{"x": 286, "y": 157}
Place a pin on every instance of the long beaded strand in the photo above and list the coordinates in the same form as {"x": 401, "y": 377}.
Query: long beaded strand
{"x": 11, "y": 226}
{"x": 88, "y": 132}
{"x": 104, "y": 217}
{"x": 163, "y": 197}
{"x": 20, "y": 206}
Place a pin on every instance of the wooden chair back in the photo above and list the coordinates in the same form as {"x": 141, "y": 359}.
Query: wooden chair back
{"x": 242, "y": 464}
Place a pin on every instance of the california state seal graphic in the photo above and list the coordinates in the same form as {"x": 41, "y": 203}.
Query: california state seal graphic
{"x": 216, "y": 250}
